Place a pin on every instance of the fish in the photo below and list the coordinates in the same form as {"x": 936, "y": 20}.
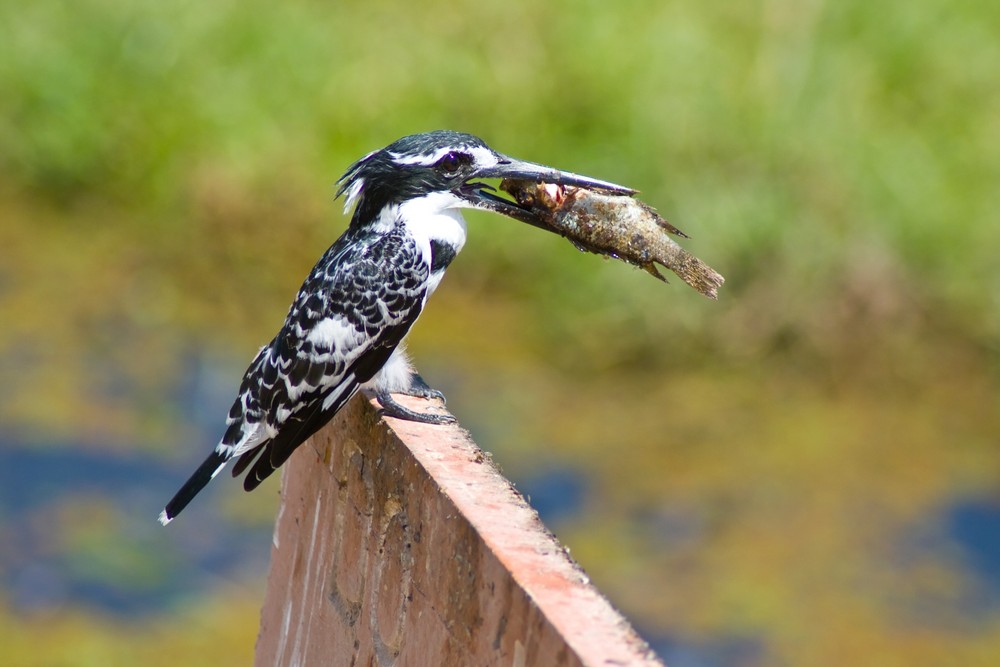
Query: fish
{"x": 614, "y": 225}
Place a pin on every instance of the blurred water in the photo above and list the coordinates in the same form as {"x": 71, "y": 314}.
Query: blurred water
{"x": 80, "y": 530}
{"x": 556, "y": 492}
{"x": 974, "y": 524}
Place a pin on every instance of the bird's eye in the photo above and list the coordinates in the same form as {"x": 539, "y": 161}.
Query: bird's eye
{"x": 450, "y": 163}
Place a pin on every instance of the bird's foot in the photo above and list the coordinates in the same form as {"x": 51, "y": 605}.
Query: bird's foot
{"x": 390, "y": 408}
{"x": 420, "y": 389}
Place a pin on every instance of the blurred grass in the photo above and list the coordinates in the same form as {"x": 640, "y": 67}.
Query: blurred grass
{"x": 829, "y": 159}
{"x": 166, "y": 181}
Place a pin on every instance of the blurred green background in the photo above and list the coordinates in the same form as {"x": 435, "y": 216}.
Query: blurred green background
{"x": 802, "y": 473}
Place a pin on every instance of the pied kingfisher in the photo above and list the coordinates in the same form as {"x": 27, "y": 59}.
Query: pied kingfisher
{"x": 345, "y": 329}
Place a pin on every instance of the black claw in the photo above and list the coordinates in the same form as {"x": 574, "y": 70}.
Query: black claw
{"x": 390, "y": 408}
{"x": 420, "y": 389}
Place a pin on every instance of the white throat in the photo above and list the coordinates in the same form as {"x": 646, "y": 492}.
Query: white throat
{"x": 434, "y": 217}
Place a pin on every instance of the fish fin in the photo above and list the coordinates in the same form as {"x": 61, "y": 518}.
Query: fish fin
{"x": 653, "y": 271}
{"x": 698, "y": 275}
{"x": 661, "y": 222}
{"x": 670, "y": 228}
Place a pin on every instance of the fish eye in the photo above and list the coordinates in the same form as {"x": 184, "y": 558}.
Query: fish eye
{"x": 450, "y": 163}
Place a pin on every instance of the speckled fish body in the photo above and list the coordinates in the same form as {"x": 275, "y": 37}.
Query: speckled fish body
{"x": 614, "y": 225}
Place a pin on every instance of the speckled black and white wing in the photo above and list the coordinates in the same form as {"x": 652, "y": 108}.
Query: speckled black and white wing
{"x": 353, "y": 310}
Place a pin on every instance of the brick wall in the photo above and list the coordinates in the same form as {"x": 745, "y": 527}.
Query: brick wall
{"x": 401, "y": 544}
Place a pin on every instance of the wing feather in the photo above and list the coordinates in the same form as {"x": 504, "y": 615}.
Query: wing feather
{"x": 349, "y": 316}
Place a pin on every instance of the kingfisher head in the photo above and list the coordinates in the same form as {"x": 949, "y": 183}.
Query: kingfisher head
{"x": 443, "y": 169}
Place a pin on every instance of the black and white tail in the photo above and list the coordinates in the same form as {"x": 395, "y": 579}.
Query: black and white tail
{"x": 211, "y": 467}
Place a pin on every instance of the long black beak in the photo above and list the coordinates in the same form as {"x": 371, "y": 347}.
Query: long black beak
{"x": 537, "y": 173}
{"x": 481, "y": 195}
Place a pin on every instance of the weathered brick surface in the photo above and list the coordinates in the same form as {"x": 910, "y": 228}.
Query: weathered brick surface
{"x": 400, "y": 544}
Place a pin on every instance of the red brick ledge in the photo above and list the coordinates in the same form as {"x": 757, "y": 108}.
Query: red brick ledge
{"x": 401, "y": 544}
